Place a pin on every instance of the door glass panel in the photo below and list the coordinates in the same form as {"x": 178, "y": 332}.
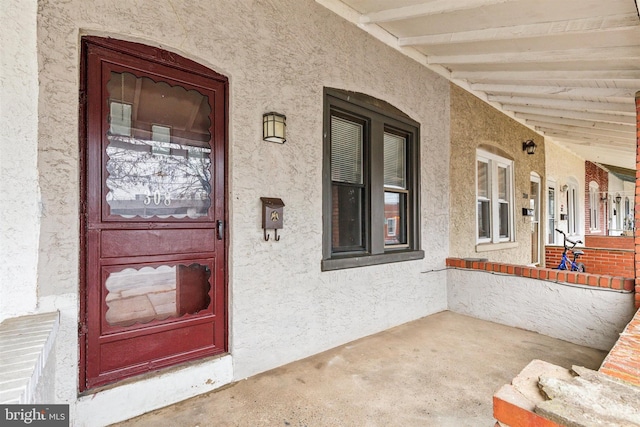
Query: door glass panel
{"x": 534, "y": 203}
{"x": 551, "y": 216}
{"x": 140, "y": 296}
{"x": 159, "y": 157}
{"x": 533, "y": 200}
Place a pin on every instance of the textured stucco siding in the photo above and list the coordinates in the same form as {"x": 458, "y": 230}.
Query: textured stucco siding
{"x": 475, "y": 123}
{"x": 589, "y": 317}
{"x": 19, "y": 192}
{"x": 277, "y": 56}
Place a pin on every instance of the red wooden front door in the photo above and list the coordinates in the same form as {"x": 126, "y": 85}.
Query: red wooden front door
{"x": 154, "y": 131}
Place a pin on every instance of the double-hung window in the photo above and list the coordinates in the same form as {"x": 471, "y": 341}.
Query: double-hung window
{"x": 494, "y": 196}
{"x": 370, "y": 188}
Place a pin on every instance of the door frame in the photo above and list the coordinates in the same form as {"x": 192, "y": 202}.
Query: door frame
{"x": 167, "y": 59}
{"x": 550, "y": 228}
{"x": 537, "y": 217}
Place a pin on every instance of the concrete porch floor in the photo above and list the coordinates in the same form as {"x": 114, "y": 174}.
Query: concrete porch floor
{"x": 441, "y": 370}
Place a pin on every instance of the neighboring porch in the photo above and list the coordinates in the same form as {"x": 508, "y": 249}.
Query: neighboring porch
{"x": 441, "y": 370}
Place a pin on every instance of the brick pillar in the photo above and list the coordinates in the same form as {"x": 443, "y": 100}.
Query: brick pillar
{"x": 636, "y": 232}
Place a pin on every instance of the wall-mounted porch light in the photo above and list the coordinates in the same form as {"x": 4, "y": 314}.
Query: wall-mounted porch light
{"x": 529, "y": 146}
{"x": 274, "y": 126}
{"x": 618, "y": 198}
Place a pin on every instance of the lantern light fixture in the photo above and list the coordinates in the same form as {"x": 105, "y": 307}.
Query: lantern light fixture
{"x": 529, "y": 146}
{"x": 274, "y": 126}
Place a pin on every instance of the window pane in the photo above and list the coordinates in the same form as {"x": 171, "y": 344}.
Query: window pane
{"x": 161, "y": 170}
{"x": 394, "y": 161}
{"x": 574, "y": 210}
{"x": 592, "y": 209}
{"x": 502, "y": 183}
{"x": 484, "y": 219}
{"x": 483, "y": 179}
{"x": 347, "y": 218}
{"x": 551, "y": 217}
{"x": 120, "y": 118}
{"x": 395, "y": 214}
{"x": 161, "y": 133}
{"x": 346, "y": 151}
{"x": 504, "y": 220}
{"x": 140, "y": 296}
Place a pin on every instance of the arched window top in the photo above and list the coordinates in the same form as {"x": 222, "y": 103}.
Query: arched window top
{"x": 371, "y": 103}
{"x": 495, "y": 150}
{"x": 572, "y": 180}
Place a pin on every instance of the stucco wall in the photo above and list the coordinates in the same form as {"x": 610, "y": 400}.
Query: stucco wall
{"x": 592, "y": 317}
{"x": 19, "y": 193}
{"x": 278, "y": 56}
{"x": 475, "y": 123}
{"x": 563, "y": 166}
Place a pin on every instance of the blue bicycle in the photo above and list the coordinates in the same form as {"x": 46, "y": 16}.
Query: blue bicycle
{"x": 572, "y": 265}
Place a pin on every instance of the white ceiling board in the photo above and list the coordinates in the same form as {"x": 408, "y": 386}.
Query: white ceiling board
{"x": 567, "y": 68}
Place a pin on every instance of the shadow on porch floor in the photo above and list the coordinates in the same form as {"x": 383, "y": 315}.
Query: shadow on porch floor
{"x": 438, "y": 371}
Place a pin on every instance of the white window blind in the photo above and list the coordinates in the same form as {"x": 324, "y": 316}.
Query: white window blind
{"x": 394, "y": 161}
{"x": 346, "y": 151}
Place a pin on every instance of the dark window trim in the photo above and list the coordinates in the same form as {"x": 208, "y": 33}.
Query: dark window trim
{"x": 366, "y": 260}
{"x": 386, "y": 117}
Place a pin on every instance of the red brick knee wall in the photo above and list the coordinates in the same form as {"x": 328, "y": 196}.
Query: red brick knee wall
{"x": 610, "y": 262}
{"x": 609, "y": 242}
{"x": 587, "y": 279}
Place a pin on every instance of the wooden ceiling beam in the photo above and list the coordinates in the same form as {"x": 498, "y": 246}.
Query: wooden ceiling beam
{"x": 549, "y": 75}
{"x": 595, "y": 25}
{"x": 611, "y": 117}
{"x": 435, "y": 7}
{"x": 587, "y": 140}
{"x": 587, "y": 124}
{"x": 565, "y": 104}
{"x": 619, "y": 95}
{"x": 576, "y": 130}
{"x": 630, "y": 53}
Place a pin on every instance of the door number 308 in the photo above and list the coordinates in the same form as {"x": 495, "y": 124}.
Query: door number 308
{"x": 157, "y": 198}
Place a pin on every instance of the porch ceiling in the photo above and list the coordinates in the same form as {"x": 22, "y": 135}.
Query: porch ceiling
{"x": 569, "y": 69}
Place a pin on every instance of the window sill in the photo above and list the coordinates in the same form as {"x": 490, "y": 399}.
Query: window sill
{"x": 366, "y": 260}
{"x": 487, "y": 247}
